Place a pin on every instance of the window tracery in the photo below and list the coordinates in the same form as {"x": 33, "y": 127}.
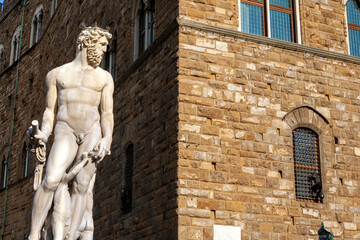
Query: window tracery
{"x": 15, "y": 46}
{"x": 36, "y": 26}
{"x": 144, "y": 26}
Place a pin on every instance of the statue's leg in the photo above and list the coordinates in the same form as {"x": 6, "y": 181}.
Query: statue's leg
{"x": 88, "y": 232}
{"x": 87, "y": 235}
{"x": 62, "y": 153}
{"x": 82, "y": 182}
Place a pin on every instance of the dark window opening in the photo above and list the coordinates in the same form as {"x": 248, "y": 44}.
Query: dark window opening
{"x": 26, "y": 158}
{"x": 3, "y": 173}
{"x": 126, "y": 192}
{"x": 109, "y": 60}
{"x": 146, "y": 32}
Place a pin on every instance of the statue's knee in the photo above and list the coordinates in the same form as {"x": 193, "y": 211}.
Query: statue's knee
{"x": 51, "y": 183}
{"x": 82, "y": 186}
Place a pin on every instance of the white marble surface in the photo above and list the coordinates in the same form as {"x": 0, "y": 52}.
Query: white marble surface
{"x": 222, "y": 232}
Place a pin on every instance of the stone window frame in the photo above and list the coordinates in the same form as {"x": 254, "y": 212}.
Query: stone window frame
{"x": 53, "y": 6}
{"x": 1, "y": 54}
{"x": 26, "y": 159}
{"x": 137, "y": 14}
{"x": 36, "y": 25}
{"x": 15, "y": 46}
{"x": 266, "y": 14}
{"x": 308, "y": 117}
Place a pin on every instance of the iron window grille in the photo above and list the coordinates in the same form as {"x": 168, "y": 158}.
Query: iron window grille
{"x": 308, "y": 185}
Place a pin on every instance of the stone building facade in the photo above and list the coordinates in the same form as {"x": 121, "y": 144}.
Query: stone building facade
{"x": 211, "y": 113}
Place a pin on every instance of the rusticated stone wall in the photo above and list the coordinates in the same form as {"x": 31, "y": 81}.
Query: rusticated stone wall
{"x": 236, "y": 115}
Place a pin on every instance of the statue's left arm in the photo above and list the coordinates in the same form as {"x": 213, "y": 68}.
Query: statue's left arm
{"x": 107, "y": 118}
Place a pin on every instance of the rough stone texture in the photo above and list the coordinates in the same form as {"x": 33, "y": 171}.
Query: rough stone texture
{"x": 211, "y": 118}
{"x": 236, "y": 161}
{"x": 145, "y": 112}
{"x": 236, "y": 98}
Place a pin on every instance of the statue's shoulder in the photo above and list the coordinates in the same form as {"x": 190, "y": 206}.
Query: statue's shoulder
{"x": 58, "y": 70}
{"x": 105, "y": 75}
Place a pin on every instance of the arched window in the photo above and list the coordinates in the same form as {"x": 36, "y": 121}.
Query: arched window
{"x": 353, "y": 20}
{"x": 36, "y": 26}
{"x": 309, "y": 127}
{"x": 272, "y": 18}
{"x": 15, "y": 46}
{"x": 3, "y": 172}
{"x": 126, "y": 192}
{"x": 144, "y": 26}
{"x": 109, "y": 60}
{"x": 1, "y": 51}
{"x": 307, "y": 165}
{"x": 26, "y": 159}
{"x": 54, "y": 4}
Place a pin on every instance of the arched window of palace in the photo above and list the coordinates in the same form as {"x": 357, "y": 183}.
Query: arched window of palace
{"x": 272, "y": 18}
{"x": 309, "y": 127}
{"x": 36, "y": 26}
{"x": 144, "y": 26}
{"x": 15, "y": 46}
{"x": 353, "y": 21}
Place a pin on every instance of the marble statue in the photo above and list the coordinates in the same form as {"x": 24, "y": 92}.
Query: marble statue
{"x": 82, "y": 94}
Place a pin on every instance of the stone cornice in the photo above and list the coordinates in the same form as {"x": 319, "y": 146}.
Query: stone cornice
{"x": 268, "y": 41}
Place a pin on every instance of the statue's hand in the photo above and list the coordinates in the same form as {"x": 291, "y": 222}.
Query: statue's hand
{"x": 102, "y": 149}
{"x": 41, "y": 136}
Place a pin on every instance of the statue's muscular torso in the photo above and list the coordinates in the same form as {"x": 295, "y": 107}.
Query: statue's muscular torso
{"x": 79, "y": 95}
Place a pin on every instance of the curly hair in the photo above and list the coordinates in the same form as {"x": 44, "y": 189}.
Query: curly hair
{"x": 90, "y": 35}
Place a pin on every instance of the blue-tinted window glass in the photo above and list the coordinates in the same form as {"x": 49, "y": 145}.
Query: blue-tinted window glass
{"x": 280, "y": 24}
{"x": 251, "y": 19}
{"x": 283, "y": 3}
{"x": 353, "y": 12}
{"x": 354, "y": 40}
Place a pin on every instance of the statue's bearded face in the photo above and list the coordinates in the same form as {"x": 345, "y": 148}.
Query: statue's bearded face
{"x": 96, "y": 51}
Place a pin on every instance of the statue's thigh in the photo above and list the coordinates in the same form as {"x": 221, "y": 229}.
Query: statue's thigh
{"x": 62, "y": 154}
{"x": 83, "y": 178}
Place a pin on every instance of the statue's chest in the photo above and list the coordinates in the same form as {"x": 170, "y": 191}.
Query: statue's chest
{"x": 79, "y": 80}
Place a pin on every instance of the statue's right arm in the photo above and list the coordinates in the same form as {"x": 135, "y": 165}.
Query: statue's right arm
{"x": 50, "y": 104}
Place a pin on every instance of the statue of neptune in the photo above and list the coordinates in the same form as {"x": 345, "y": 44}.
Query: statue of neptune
{"x": 80, "y": 89}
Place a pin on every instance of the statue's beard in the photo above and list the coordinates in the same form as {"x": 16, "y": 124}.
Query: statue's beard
{"x": 94, "y": 56}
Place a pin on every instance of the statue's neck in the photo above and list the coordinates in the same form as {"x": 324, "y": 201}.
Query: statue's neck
{"x": 81, "y": 59}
